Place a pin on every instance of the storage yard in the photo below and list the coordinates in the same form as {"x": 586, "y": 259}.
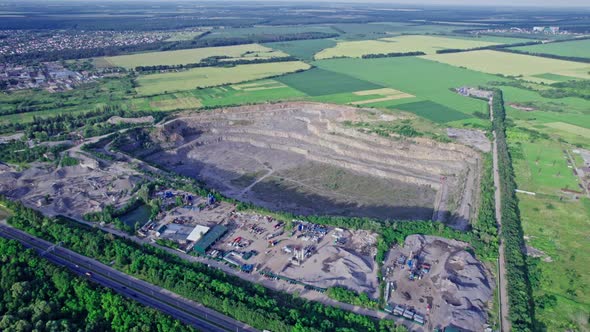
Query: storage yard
{"x": 311, "y": 255}
{"x": 314, "y": 255}
{"x": 436, "y": 282}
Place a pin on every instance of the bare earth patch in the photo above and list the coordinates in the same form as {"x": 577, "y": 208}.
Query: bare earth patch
{"x": 457, "y": 289}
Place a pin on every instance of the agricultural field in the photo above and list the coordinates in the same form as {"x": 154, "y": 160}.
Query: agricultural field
{"x": 577, "y": 48}
{"x": 560, "y": 229}
{"x": 556, "y": 227}
{"x": 401, "y": 44}
{"x": 426, "y": 80}
{"x": 543, "y": 167}
{"x": 195, "y": 55}
{"x": 432, "y": 111}
{"x": 167, "y": 102}
{"x": 509, "y": 64}
{"x": 563, "y": 118}
{"x": 246, "y": 93}
{"x": 302, "y": 49}
{"x": 212, "y": 76}
{"x": 318, "y": 82}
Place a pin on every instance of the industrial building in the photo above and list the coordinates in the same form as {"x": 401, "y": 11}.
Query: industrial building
{"x": 197, "y": 233}
{"x": 209, "y": 238}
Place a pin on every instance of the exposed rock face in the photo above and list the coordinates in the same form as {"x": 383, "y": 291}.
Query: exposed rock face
{"x": 271, "y": 142}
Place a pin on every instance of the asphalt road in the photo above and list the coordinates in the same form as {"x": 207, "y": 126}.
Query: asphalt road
{"x": 189, "y": 312}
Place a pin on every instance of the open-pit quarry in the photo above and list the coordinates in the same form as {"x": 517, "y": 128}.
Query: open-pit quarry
{"x": 300, "y": 158}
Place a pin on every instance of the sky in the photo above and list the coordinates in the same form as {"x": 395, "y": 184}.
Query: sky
{"x": 499, "y": 3}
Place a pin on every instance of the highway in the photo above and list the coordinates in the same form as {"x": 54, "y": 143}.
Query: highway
{"x": 189, "y": 312}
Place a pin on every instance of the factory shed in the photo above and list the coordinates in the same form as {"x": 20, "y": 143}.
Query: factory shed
{"x": 197, "y": 233}
{"x": 209, "y": 238}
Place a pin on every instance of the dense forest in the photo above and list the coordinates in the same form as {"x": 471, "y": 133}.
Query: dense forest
{"x": 519, "y": 287}
{"x": 39, "y": 296}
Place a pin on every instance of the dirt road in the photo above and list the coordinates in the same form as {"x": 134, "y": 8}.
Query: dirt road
{"x": 503, "y": 284}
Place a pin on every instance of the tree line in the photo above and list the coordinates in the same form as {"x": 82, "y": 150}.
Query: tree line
{"x": 546, "y": 55}
{"x": 345, "y": 295}
{"x": 251, "y": 303}
{"x": 214, "y": 61}
{"x": 485, "y": 227}
{"x": 39, "y": 296}
{"x": 392, "y": 55}
{"x": 520, "y": 294}
{"x": 489, "y": 47}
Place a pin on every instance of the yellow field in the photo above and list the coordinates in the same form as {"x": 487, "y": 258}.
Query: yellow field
{"x": 212, "y": 76}
{"x": 494, "y": 62}
{"x": 180, "y": 57}
{"x": 174, "y": 104}
{"x": 384, "y": 94}
{"x": 572, "y": 129}
{"x": 259, "y": 85}
{"x": 401, "y": 44}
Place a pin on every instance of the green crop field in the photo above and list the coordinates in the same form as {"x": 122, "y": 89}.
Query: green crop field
{"x": 563, "y": 118}
{"x": 246, "y": 93}
{"x": 427, "y": 80}
{"x": 317, "y": 82}
{"x": 195, "y": 55}
{"x": 561, "y": 230}
{"x": 365, "y": 97}
{"x": 426, "y": 44}
{"x": 558, "y": 225}
{"x": 577, "y": 48}
{"x": 544, "y": 167}
{"x": 432, "y": 111}
{"x": 511, "y": 64}
{"x": 212, "y": 76}
{"x": 302, "y": 49}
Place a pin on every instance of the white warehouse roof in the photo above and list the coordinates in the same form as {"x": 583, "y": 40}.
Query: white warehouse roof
{"x": 197, "y": 232}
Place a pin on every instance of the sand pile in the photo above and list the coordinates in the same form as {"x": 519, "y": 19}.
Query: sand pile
{"x": 458, "y": 287}
{"x": 337, "y": 266}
